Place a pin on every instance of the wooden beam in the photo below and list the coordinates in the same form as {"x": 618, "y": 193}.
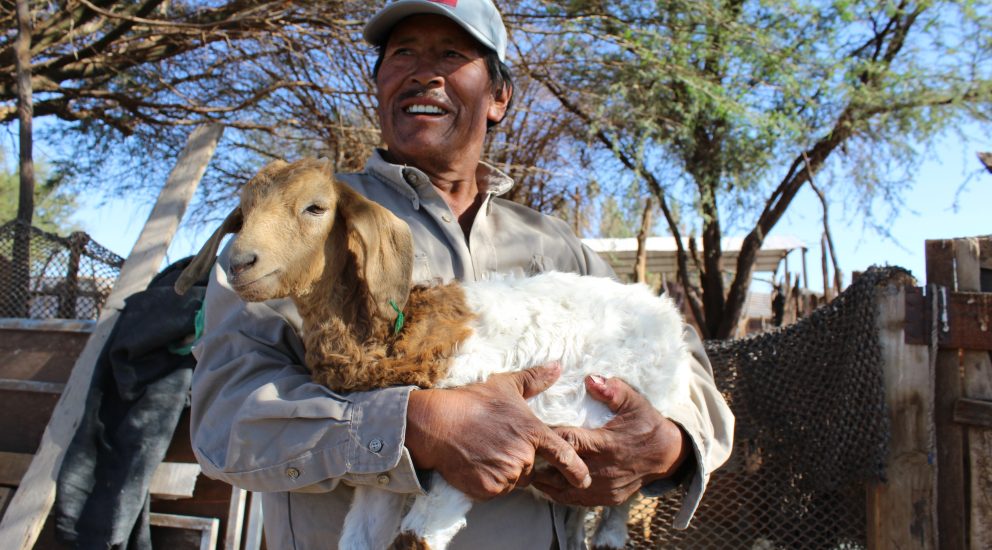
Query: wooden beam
{"x": 976, "y": 370}
{"x": 974, "y": 412}
{"x": 12, "y": 468}
{"x": 952, "y": 510}
{"x": 30, "y": 505}
{"x": 208, "y": 527}
{"x": 253, "y": 536}
{"x": 31, "y": 386}
{"x": 235, "y": 519}
{"x": 964, "y": 319}
{"x": 58, "y": 325}
{"x": 902, "y": 512}
{"x": 171, "y": 480}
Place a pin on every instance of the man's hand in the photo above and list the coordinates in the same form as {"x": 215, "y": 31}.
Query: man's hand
{"x": 483, "y": 437}
{"x": 636, "y": 447}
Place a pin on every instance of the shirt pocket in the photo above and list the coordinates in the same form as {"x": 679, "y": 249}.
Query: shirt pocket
{"x": 422, "y": 274}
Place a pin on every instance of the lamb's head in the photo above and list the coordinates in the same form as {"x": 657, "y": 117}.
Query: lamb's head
{"x": 300, "y": 231}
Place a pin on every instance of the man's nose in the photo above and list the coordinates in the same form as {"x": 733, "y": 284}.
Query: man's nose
{"x": 426, "y": 74}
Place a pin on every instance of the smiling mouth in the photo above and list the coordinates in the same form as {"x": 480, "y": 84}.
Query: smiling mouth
{"x": 418, "y": 109}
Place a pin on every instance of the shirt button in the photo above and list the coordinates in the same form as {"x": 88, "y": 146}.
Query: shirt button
{"x": 411, "y": 177}
{"x": 375, "y": 445}
{"x": 293, "y": 473}
{"x": 383, "y": 479}
{"x": 446, "y": 218}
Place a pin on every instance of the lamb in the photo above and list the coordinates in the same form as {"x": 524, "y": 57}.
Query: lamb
{"x": 346, "y": 263}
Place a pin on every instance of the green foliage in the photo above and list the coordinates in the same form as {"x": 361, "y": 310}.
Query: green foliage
{"x": 745, "y": 100}
{"x": 53, "y": 206}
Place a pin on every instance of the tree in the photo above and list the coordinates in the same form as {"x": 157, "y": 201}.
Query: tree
{"x": 53, "y": 207}
{"x": 745, "y": 101}
{"x": 125, "y": 82}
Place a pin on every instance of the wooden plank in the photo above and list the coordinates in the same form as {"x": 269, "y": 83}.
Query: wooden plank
{"x": 974, "y": 412}
{"x": 41, "y": 355}
{"x": 174, "y": 480}
{"x": 977, "y": 374}
{"x": 902, "y": 512}
{"x": 31, "y": 503}
{"x": 12, "y": 467}
{"x": 985, "y": 253}
{"x": 5, "y": 494}
{"x": 917, "y": 330}
{"x": 253, "y": 537}
{"x": 170, "y": 481}
{"x": 24, "y": 417}
{"x": 967, "y": 325}
{"x": 235, "y": 519}
{"x": 48, "y": 325}
{"x": 208, "y": 527}
{"x": 952, "y": 511}
{"x": 31, "y": 386}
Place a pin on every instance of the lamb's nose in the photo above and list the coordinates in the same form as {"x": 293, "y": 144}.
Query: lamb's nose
{"x": 242, "y": 262}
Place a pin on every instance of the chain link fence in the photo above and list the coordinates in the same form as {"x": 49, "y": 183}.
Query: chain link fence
{"x": 812, "y": 430}
{"x": 45, "y": 276}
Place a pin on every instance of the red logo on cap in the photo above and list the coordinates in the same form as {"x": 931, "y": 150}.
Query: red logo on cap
{"x": 452, "y": 3}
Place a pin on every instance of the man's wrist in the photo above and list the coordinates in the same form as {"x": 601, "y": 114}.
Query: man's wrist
{"x": 676, "y": 450}
{"x": 417, "y": 428}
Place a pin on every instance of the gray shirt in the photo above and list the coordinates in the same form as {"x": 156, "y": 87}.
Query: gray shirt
{"x": 258, "y": 422}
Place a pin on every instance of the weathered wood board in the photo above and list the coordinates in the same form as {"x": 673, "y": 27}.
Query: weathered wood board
{"x": 902, "y": 511}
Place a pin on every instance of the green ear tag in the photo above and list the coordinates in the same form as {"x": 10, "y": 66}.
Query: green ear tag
{"x": 399, "y": 318}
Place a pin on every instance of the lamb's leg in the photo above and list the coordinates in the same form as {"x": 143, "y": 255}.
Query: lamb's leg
{"x": 434, "y": 519}
{"x": 372, "y": 520}
{"x": 611, "y": 533}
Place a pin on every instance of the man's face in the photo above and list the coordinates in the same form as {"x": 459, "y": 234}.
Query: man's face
{"x": 434, "y": 92}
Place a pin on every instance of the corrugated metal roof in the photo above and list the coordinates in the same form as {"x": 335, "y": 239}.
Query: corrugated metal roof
{"x": 621, "y": 253}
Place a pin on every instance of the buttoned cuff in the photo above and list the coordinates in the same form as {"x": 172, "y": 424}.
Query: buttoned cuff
{"x": 377, "y": 455}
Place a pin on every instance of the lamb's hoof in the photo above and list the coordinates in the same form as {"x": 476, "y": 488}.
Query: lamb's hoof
{"x": 408, "y": 541}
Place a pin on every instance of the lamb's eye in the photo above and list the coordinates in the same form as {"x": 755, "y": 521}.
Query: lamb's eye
{"x": 315, "y": 209}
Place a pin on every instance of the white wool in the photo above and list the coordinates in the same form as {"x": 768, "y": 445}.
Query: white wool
{"x": 590, "y": 326}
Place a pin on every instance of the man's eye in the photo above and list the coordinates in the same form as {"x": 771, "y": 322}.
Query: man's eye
{"x": 316, "y": 210}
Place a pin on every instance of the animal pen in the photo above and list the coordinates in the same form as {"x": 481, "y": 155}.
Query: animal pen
{"x": 867, "y": 424}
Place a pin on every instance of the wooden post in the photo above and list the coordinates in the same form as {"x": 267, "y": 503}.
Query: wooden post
{"x": 976, "y": 370}
{"x": 33, "y": 500}
{"x": 902, "y": 511}
{"x": 948, "y": 388}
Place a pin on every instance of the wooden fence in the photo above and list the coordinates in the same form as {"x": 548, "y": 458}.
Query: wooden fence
{"x": 936, "y": 341}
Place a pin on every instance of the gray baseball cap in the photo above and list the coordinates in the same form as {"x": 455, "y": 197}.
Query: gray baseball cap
{"x": 480, "y": 18}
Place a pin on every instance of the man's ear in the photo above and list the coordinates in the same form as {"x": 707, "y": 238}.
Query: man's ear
{"x": 499, "y": 104}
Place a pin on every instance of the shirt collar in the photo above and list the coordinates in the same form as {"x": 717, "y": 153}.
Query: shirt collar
{"x": 409, "y": 181}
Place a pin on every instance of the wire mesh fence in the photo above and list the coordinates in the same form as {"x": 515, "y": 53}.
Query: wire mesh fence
{"x": 45, "y": 276}
{"x": 811, "y": 431}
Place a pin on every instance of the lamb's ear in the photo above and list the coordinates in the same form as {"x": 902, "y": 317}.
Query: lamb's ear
{"x": 382, "y": 245}
{"x": 204, "y": 259}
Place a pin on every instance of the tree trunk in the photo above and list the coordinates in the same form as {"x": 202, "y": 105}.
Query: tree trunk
{"x": 21, "y": 284}
{"x": 641, "y": 266}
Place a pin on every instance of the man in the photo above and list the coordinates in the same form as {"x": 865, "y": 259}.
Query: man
{"x": 258, "y": 421}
